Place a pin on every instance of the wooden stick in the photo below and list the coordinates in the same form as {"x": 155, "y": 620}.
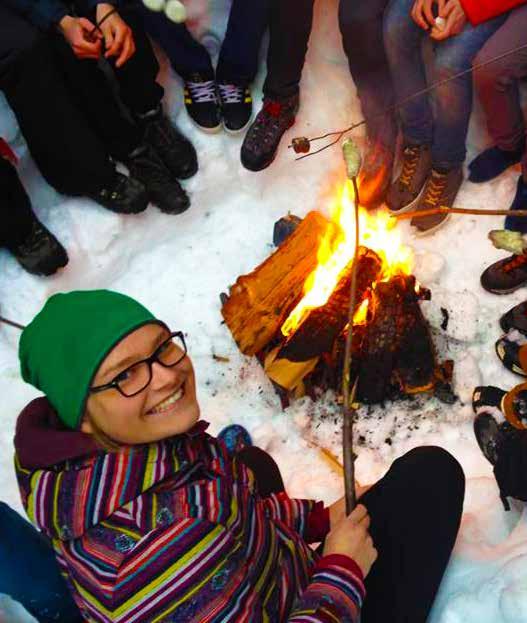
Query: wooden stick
{"x": 446, "y": 210}
{"x": 11, "y": 323}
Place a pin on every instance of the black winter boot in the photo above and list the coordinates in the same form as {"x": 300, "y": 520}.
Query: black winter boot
{"x": 123, "y": 195}
{"x": 40, "y": 253}
{"x": 263, "y": 137}
{"x": 174, "y": 149}
{"x": 163, "y": 190}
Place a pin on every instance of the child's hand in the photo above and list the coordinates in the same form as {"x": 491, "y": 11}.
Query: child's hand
{"x": 455, "y": 20}
{"x": 118, "y": 37}
{"x": 351, "y": 538}
{"x": 80, "y": 33}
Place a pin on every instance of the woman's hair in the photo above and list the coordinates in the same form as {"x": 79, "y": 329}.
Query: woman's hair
{"x": 101, "y": 438}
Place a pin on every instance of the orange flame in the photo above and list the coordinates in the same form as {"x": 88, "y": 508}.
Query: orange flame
{"x": 337, "y": 249}
{"x": 361, "y": 314}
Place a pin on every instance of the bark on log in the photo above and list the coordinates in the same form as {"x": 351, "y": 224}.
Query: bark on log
{"x": 259, "y": 302}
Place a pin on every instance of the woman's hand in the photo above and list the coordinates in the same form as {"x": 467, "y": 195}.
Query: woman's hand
{"x": 83, "y": 37}
{"x": 118, "y": 37}
{"x": 350, "y": 537}
{"x": 422, "y": 12}
{"x": 337, "y": 511}
{"x": 455, "y": 20}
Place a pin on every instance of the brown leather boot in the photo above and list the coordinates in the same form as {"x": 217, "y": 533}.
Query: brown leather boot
{"x": 404, "y": 192}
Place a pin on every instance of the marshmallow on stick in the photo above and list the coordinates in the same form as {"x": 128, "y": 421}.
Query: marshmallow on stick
{"x": 174, "y": 9}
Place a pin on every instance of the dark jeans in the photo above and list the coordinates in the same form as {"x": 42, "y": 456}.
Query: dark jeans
{"x": 497, "y": 84}
{"x": 415, "y": 515}
{"x": 16, "y": 214}
{"x": 65, "y": 107}
{"x": 361, "y": 26}
{"x": 440, "y": 119}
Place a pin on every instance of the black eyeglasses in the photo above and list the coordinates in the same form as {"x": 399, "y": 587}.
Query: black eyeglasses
{"x": 134, "y": 379}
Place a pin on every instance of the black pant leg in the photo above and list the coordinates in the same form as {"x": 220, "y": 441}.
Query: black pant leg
{"x": 415, "y": 515}
{"x": 16, "y": 215}
{"x": 68, "y": 153}
{"x": 265, "y": 470}
{"x": 289, "y": 31}
{"x": 361, "y": 26}
{"x": 238, "y": 61}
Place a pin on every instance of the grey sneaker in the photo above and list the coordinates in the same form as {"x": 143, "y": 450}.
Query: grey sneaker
{"x": 440, "y": 191}
{"x": 404, "y": 192}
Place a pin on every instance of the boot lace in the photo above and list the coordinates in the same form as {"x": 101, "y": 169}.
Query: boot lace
{"x": 202, "y": 92}
{"x": 517, "y": 261}
{"x": 435, "y": 189}
{"x": 410, "y": 160}
{"x": 231, "y": 93}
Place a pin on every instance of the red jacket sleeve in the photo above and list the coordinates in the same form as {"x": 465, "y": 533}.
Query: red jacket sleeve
{"x": 479, "y": 11}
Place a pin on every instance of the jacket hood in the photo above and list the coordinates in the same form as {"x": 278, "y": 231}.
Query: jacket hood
{"x": 69, "y": 485}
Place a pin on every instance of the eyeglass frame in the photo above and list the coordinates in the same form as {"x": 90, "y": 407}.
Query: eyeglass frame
{"x": 154, "y": 358}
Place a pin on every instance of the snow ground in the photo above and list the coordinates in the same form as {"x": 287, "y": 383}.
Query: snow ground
{"x": 178, "y": 266}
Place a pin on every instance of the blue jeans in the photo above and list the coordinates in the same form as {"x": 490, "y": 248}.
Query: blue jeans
{"x": 441, "y": 118}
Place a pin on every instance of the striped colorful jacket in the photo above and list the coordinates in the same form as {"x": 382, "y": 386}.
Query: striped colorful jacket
{"x": 175, "y": 531}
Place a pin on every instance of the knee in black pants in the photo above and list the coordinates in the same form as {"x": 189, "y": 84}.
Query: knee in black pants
{"x": 18, "y": 41}
{"x": 265, "y": 470}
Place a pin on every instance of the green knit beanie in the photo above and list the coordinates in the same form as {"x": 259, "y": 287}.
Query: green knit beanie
{"x": 61, "y": 350}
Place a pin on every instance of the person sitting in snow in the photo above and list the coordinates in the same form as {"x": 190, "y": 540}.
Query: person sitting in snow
{"x": 151, "y": 518}
{"x": 434, "y": 127}
{"x": 500, "y": 425}
{"x": 69, "y": 116}
{"x": 222, "y": 97}
{"x": 32, "y": 244}
{"x": 497, "y": 85}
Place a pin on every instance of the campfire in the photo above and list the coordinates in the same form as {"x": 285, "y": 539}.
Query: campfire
{"x": 292, "y": 310}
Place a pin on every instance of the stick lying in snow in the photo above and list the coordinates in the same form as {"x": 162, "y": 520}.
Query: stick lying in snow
{"x": 11, "y": 323}
{"x": 466, "y": 211}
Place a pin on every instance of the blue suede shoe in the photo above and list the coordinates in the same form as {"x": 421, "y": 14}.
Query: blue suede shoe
{"x": 516, "y": 223}
{"x": 236, "y": 438}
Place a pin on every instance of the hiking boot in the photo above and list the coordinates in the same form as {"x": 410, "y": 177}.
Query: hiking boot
{"x": 201, "y": 102}
{"x": 416, "y": 167}
{"x": 236, "y": 107}
{"x": 508, "y": 349}
{"x": 40, "y": 253}
{"x": 163, "y": 190}
{"x": 375, "y": 174}
{"x": 176, "y": 151}
{"x": 505, "y": 276}
{"x": 515, "y": 318}
{"x": 440, "y": 191}
{"x": 517, "y": 223}
{"x": 123, "y": 195}
{"x": 263, "y": 137}
{"x": 493, "y": 162}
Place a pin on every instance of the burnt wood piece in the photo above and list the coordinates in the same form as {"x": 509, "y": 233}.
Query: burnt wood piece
{"x": 397, "y": 347}
{"x": 260, "y": 301}
{"x": 317, "y": 333}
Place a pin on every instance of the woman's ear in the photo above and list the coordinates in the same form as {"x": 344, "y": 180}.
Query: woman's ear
{"x": 86, "y": 426}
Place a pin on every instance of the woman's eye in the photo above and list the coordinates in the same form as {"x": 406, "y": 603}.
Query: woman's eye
{"x": 124, "y": 376}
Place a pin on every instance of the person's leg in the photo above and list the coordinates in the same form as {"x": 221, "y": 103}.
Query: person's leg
{"x": 415, "y": 516}
{"x": 265, "y": 470}
{"x": 238, "y": 61}
{"x": 453, "y": 101}
{"x": 403, "y": 40}
{"x": 69, "y": 155}
{"x": 361, "y": 26}
{"x": 289, "y": 30}
{"x": 16, "y": 214}
{"x": 497, "y": 85}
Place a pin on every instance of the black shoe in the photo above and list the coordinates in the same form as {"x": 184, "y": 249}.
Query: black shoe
{"x": 508, "y": 351}
{"x": 487, "y": 435}
{"x": 488, "y": 398}
{"x": 263, "y": 137}
{"x": 506, "y": 275}
{"x": 515, "y": 318}
{"x": 201, "y": 102}
{"x": 123, "y": 195}
{"x": 163, "y": 190}
{"x": 236, "y": 107}
{"x": 493, "y": 162}
{"x": 176, "y": 151}
{"x": 40, "y": 253}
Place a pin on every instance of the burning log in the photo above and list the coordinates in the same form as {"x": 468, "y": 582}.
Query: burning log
{"x": 397, "y": 348}
{"x": 259, "y": 303}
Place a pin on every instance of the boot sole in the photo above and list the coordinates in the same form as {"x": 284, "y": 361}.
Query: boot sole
{"x": 268, "y": 164}
{"x": 508, "y": 291}
{"x": 410, "y": 206}
{"x": 213, "y": 130}
{"x": 242, "y": 129}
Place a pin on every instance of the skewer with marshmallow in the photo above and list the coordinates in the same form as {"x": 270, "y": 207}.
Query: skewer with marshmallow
{"x": 173, "y": 9}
